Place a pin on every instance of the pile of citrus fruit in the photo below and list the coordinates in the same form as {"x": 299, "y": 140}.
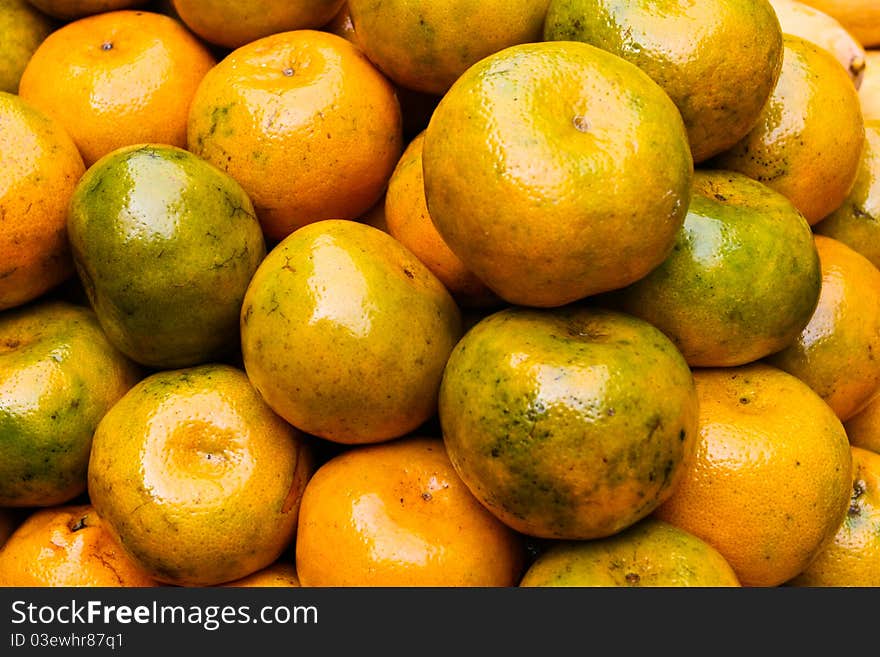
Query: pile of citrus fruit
{"x": 440, "y": 293}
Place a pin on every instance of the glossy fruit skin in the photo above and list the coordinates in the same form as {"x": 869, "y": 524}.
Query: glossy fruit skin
{"x": 59, "y": 375}
{"x": 232, "y": 24}
{"x": 397, "y": 514}
{"x": 836, "y": 352}
{"x": 771, "y": 477}
{"x": 808, "y": 140}
{"x": 853, "y": 556}
{"x": 742, "y": 280}
{"x": 65, "y": 546}
{"x": 576, "y": 223}
{"x": 117, "y": 78}
{"x": 425, "y": 45}
{"x": 407, "y": 220}
{"x": 569, "y": 423}
{"x": 36, "y": 154}
{"x": 649, "y": 553}
{"x": 325, "y": 341}
{"x": 717, "y": 59}
{"x": 856, "y": 222}
{"x": 307, "y": 125}
{"x": 801, "y": 19}
{"x": 165, "y": 245}
{"x": 216, "y": 476}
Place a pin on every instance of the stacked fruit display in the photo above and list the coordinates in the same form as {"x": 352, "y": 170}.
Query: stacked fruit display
{"x": 440, "y": 293}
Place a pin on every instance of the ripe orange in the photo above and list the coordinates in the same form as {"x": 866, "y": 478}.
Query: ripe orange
{"x": 407, "y": 219}
{"x": 397, "y": 514}
{"x": 23, "y": 29}
{"x": 555, "y": 171}
{"x": 649, "y": 553}
{"x": 853, "y": 557}
{"x": 425, "y": 45}
{"x": 232, "y": 23}
{"x": 304, "y": 122}
{"x": 198, "y": 480}
{"x": 808, "y": 140}
{"x": 717, "y": 59}
{"x": 771, "y": 480}
{"x": 345, "y": 333}
{"x": 838, "y": 351}
{"x": 39, "y": 168}
{"x": 67, "y": 546}
{"x": 856, "y": 222}
{"x": 117, "y": 78}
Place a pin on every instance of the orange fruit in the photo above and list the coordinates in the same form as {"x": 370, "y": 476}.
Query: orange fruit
{"x": 167, "y": 288}
{"x": 304, "y": 122}
{"x": 738, "y": 235}
{"x": 39, "y": 168}
{"x": 802, "y": 20}
{"x": 23, "y": 29}
{"x": 415, "y": 106}
{"x": 425, "y": 45}
{"x": 232, "y": 23}
{"x": 863, "y": 428}
{"x": 345, "y": 333}
{"x": 853, "y": 556}
{"x": 397, "y": 514}
{"x": 68, "y": 10}
{"x": 214, "y": 475}
{"x": 568, "y": 423}
{"x": 59, "y": 375}
{"x": 770, "y": 482}
{"x": 861, "y": 17}
{"x": 856, "y": 222}
{"x": 717, "y": 59}
{"x": 808, "y": 140}
{"x": 838, "y": 351}
{"x": 649, "y": 553}
{"x": 279, "y": 574}
{"x": 117, "y": 78}
{"x": 555, "y": 171}
{"x": 407, "y": 219}
{"x": 67, "y": 546}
